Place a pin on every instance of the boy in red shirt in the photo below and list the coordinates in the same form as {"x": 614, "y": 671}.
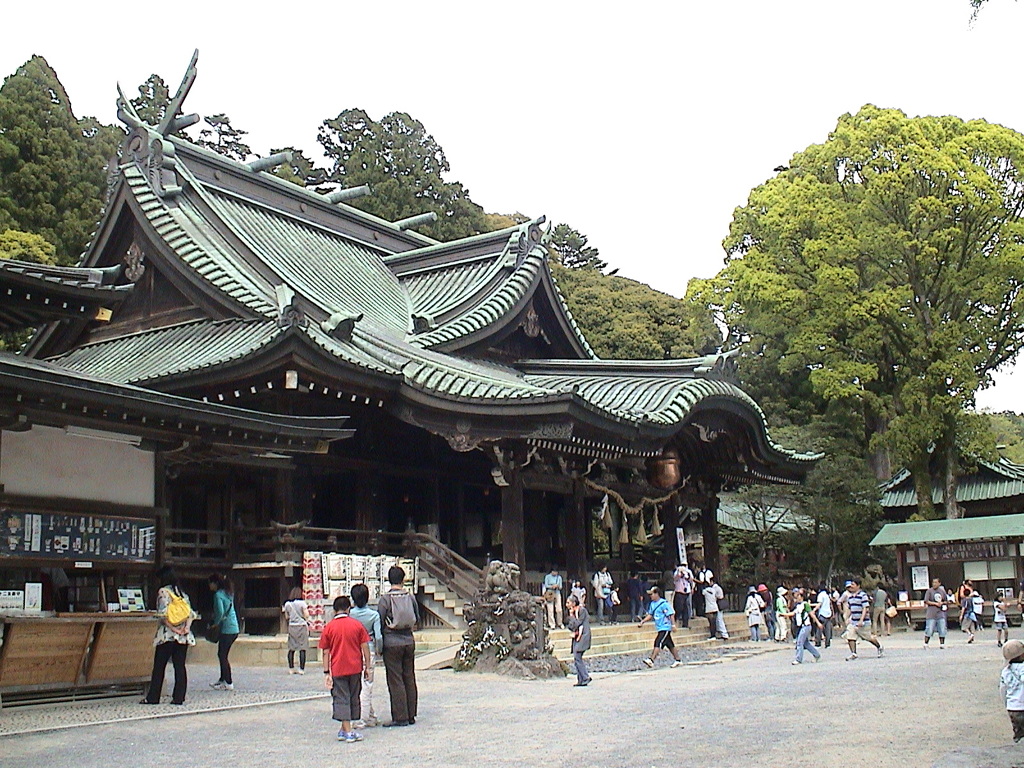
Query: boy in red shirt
{"x": 346, "y": 651}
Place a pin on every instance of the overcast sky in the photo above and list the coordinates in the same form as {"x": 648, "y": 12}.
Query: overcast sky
{"x": 642, "y": 125}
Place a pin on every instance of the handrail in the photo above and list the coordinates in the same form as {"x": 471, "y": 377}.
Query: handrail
{"x": 462, "y": 562}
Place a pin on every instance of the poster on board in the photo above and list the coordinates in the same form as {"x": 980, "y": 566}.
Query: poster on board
{"x": 919, "y": 577}
{"x": 681, "y": 545}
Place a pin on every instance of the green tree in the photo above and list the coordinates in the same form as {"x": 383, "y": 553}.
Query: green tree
{"x": 153, "y": 100}
{"x": 624, "y": 319}
{"x": 223, "y": 138}
{"x": 300, "y": 170}
{"x": 52, "y": 165}
{"x": 404, "y": 166}
{"x": 1007, "y": 429}
{"x": 888, "y": 263}
{"x": 25, "y": 246}
{"x": 572, "y": 251}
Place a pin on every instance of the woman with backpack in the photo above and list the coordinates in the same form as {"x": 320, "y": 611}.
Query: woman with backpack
{"x": 226, "y": 621}
{"x": 173, "y": 637}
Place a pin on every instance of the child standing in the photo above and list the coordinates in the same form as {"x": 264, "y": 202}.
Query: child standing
{"x": 999, "y": 620}
{"x": 1011, "y": 685}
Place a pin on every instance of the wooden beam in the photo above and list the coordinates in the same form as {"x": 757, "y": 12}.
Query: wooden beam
{"x": 513, "y": 526}
{"x": 576, "y": 534}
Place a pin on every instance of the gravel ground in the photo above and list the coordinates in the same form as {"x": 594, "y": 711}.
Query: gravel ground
{"x": 908, "y": 708}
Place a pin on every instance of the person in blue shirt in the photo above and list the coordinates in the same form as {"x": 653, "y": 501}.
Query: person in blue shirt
{"x": 370, "y": 619}
{"x": 662, "y": 614}
{"x": 553, "y": 598}
{"x": 225, "y": 619}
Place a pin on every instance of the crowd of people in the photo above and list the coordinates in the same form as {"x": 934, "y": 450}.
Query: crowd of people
{"x": 350, "y": 643}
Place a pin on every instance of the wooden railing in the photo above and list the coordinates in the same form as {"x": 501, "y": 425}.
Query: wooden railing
{"x": 192, "y": 544}
{"x": 446, "y": 565}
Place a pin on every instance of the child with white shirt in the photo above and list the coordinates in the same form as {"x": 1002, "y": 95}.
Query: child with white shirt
{"x": 999, "y": 621}
{"x": 1011, "y": 685}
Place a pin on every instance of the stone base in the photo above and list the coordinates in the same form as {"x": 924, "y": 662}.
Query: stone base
{"x": 540, "y": 669}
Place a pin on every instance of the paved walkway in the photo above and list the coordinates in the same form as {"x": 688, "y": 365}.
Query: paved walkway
{"x": 908, "y": 708}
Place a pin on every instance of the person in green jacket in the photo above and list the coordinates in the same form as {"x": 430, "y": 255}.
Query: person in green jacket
{"x": 226, "y": 620}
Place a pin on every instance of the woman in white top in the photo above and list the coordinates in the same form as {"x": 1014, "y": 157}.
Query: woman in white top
{"x": 753, "y": 610}
{"x": 298, "y": 630}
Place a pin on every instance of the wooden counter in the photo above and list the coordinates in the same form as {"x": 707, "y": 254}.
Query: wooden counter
{"x": 71, "y": 651}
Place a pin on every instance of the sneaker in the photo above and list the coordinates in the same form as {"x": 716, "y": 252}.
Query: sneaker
{"x": 342, "y": 735}
{"x": 817, "y": 659}
{"x": 372, "y": 722}
{"x": 359, "y": 724}
{"x": 353, "y": 736}
{"x": 302, "y": 671}
{"x": 292, "y": 671}
{"x": 851, "y": 657}
{"x": 648, "y": 662}
{"x": 999, "y": 644}
{"x": 971, "y": 640}
{"x": 219, "y": 685}
{"x": 674, "y": 664}
{"x": 794, "y": 662}
{"x": 881, "y": 651}
{"x": 926, "y": 646}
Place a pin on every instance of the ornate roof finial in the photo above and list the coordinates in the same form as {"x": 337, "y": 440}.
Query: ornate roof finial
{"x": 173, "y": 120}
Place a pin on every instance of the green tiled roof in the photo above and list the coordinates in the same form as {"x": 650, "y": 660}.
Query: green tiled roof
{"x": 334, "y": 273}
{"x": 437, "y": 291}
{"x": 998, "y": 480}
{"x": 963, "y": 529}
{"x": 152, "y": 355}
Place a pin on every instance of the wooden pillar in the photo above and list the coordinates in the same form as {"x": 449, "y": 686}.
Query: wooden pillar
{"x": 576, "y": 534}
{"x": 670, "y": 520}
{"x": 513, "y": 526}
{"x": 709, "y": 529}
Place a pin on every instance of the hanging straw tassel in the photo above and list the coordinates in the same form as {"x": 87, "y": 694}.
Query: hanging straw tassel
{"x": 655, "y": 524}
{"x": 606, "y": 513}
{"x": 624, "y": 531}
{"x": 641, "y": 534}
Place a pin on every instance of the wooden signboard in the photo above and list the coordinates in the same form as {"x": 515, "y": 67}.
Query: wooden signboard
{"x": 79, "y": 537}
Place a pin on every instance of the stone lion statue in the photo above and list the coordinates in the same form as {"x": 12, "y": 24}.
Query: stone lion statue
{"x": 501, "y": 578}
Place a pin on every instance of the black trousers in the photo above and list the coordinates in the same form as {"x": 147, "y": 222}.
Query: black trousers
{"x": 174, "y": 653}
{"x": 401, "y": 674}
{"x": 223, "y": 649}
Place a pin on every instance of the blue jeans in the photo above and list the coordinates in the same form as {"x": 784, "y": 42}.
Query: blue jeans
{"x": 755, "y": 632}
{"x": 803, "y": 640}
{"x": 933, "y": 625}
{"x": 635, "y": 606}
{"x": 769, "y": 620}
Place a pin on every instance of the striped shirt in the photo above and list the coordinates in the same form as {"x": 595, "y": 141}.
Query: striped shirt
{"x": 860, "y": 606}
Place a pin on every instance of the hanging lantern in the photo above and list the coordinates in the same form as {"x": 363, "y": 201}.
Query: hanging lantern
{"x": 664, "y": 471}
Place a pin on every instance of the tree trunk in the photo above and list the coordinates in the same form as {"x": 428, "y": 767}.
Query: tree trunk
{"x": 950, "y": 462}
{"x": 878, "y": 458}
{"x": 922, "y": 475}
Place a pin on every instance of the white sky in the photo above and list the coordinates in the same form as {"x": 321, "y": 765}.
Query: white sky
{"x": 642, "y": 125}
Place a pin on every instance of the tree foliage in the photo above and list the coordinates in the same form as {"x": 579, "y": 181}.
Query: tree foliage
{"x": 52, "y": 164}
{"x": 404, "y": 166}
{"x": 571, "y": 250}
{"x": 624, "y": 319}
{"x": 25, "y": 246}
{"x": 1007, "y": 429}
{"x": 887, "y": 263}
{"x": 223, "y": 138}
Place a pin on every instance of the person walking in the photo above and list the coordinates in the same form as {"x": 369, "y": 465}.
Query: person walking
{"x": 399, "y": 615}
{"x": 635, "y": 595}
{"x": 999, "y": 619}
{"x": 1011, "y": 685}
{"x": 880, "y": 601}
{"x": 603, "y": 583}
{"x": 553, "y": 598}
{"x": 803, "y": 618}
{"x": 297, "y": 614}
{"x": 968, "y": 621}
{"x": 370, "y": 620}
{"x": 769, "y": 611}
{"x": 682, "y": 598}
{"x": 936, "y": 602}
{"x": 716, "y": 621}
{"x": 661, "y": 612}
{"x": 781, "y": 613}
{"x": 346, "y": 652}
{"x": 822, "y": 608}
{"x": 753, "y": 609}
{"x": 226, "y": 620}
{"x": 859, "y": 626}
{"x": 173, "y": 637}
{"x": 579, "y": 624}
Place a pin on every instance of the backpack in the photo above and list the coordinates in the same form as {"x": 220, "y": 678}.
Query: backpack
{"x": 178, "y": 610}
{"x": 403, "y": 611}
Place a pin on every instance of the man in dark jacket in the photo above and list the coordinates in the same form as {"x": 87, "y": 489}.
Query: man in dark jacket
{"x": 579, "y": 624}
{"x": 399, "y": 648}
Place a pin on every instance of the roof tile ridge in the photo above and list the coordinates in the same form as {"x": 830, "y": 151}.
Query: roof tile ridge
{"x": 202, "y": 321}
{"x": 496, "y": 235}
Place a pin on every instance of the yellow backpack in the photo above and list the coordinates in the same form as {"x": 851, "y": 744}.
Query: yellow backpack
{"x": 178, "y": 610}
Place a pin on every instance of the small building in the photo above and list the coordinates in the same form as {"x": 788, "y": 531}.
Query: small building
{"x": 993, "y": 488}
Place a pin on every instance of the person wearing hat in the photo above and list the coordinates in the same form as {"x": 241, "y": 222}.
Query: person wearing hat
{"x": 753, "y": 610}
{"x": 713, "y": 595}
{"x": 1011, "y": 685}
{"x": 781, "y": 609}
{"x": 662, "y": 614}
{"x": 769, "y": 611}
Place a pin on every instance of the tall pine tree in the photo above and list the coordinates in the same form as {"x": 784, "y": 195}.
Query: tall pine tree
{"x": 52, "y": 176}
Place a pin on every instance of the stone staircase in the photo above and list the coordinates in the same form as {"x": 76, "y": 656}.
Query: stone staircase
{"x": 445, "y": 604}
{"x": 611, "y": 639}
